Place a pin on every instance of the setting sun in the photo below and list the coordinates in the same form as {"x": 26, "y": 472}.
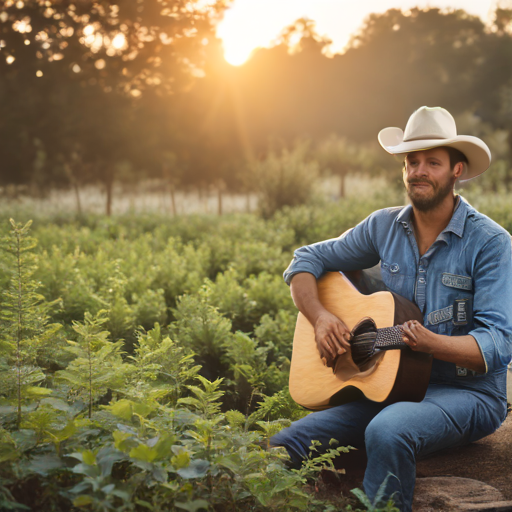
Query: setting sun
{"x": 251, "y": 24}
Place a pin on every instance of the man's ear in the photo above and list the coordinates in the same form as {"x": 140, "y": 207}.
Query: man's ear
{"x": 458, "y": 169}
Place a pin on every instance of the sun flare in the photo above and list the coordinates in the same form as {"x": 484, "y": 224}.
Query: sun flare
{"x": 252, "y": 24}
{"x": 239, "y": 43}
{"x": 237, "y": 55}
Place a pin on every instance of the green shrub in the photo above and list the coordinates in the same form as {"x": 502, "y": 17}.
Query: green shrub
{"x": 175, "y": 372}
{"x": 277, "y": 332}
{"x": 203, "y": 330}
{"x": 284, "y": 179}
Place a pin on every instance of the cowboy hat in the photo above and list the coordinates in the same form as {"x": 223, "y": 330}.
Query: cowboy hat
{"x": 429, "y": 128}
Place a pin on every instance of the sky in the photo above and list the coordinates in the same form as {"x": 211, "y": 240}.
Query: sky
{"x": 249, "y": 24}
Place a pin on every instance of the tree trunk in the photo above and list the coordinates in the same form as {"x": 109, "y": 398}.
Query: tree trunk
{"x": 109, "y": 189}
{"x": 342, "y": 186}
{"x": 221, "y": 186}
{"x": 74, "y": 184}
{"x": 509, "y": 140}
{"x": 205, "y": 196}
{"x": 173, "y": 201}
{"x": 77, "y": 197}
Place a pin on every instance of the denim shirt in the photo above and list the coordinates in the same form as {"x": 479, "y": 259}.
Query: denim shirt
{"x": 462, "y": 284}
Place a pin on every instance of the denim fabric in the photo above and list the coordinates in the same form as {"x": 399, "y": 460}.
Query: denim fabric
{"x": 470, "y": 263}
{"x": 462, "y": 285}
{"x": 396, "y": 435}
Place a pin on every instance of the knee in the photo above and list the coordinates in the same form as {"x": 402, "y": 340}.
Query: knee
{"x": 282, "y": 438}
{"x": 295, "y": 442}
{"x": 387, "y": 431}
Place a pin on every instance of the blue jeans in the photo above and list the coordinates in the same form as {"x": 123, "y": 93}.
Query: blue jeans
{"x": 395, "y": 435}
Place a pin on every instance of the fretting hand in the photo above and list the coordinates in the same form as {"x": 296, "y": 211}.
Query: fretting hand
{"x": 418, "y": 337}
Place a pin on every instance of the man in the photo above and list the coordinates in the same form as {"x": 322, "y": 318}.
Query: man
{"x": 456, "y": 265}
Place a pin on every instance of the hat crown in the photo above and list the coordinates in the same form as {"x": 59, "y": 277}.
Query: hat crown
{"x": 430, "y": 123}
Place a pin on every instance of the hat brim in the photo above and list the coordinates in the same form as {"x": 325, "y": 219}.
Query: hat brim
{"x": 475, "y": 149}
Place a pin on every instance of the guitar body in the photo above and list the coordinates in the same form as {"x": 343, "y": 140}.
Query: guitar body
{"x": 391, "y": 375}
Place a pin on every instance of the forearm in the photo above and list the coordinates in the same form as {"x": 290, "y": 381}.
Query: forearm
{"x": 461, "y": 350}
{"x": 304, "y": 292}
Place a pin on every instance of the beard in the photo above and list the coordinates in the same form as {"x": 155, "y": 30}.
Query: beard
{"x": 428, "y": 202}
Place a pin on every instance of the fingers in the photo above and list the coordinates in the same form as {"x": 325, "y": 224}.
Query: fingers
{"x": 331, "y": 343}
{"x": 343, "y": 336}
{"x": 411, "y": 330}
{"x": 408, "y": 330}
{"x": 327, "y": 352}
{"x": 329, "y": 347}
{"x": 336, "y": 344}
{"x": 331, "y": 336}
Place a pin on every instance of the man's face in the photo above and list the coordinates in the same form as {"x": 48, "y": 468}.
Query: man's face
{"x": 428, "y": 178}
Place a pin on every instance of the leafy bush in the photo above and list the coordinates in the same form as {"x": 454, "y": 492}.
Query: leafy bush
{"x": 167, "y": 372}
{"x": 284, "y": 179}
{"x": 203, "y": 330}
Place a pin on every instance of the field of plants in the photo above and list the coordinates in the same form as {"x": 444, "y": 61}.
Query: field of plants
{"x": 144, "y": 360}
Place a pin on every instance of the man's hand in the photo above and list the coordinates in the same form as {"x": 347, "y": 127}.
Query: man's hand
{"x": 331, "y": 334}
{"x": 332, "y": 337}
{"x": 419, "y": 338}
{"x": 461, "y": 350}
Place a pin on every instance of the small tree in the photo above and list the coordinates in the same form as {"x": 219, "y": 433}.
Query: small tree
{"x": 98, "y": 366}
{"x": 160, "y": 368}
{"x": 24, "y": 315}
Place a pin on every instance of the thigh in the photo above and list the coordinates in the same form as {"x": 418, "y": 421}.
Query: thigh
{"x": 446, "y": 417}
{"x": 344, "y": 423}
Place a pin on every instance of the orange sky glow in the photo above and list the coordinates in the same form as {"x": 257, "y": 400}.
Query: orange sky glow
{"x": 250, "y": 24}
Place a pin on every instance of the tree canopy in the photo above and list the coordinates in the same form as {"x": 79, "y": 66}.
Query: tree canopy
{"x": 93, "y": 90}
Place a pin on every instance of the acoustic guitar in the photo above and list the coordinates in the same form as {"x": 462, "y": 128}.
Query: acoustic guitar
{"x": 388, "y": 376}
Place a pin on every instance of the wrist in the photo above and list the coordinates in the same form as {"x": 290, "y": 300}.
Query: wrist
{"x": 435, "y": 341}
{"x": 317, "y": 314}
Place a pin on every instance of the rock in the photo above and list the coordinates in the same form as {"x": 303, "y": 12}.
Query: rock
{"x": 488, "y": 460}
{"x": 455, "y": 494}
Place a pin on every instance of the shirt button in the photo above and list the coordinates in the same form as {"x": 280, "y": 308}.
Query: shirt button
{"x": 421, "y": 280}
{"x": 394, "y": 268}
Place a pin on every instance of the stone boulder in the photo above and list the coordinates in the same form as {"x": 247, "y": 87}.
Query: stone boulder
{"x": 455, "y": 494}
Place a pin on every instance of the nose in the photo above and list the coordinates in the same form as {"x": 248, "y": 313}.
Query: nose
{"x": 420, "y": 170}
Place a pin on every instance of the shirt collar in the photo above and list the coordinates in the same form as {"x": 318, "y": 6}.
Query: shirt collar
{"x": 456, "y": 224}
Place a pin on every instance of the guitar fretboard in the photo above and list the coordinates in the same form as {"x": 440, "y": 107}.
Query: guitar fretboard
{"x": 390, "y": 338}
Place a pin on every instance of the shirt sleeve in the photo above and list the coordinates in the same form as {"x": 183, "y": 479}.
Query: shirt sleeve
{"x": 492, "y": 303}
{"x": 353, "y": 250}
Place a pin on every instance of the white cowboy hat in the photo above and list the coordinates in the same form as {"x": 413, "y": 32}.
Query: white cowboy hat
{"x": 429, "y": 128}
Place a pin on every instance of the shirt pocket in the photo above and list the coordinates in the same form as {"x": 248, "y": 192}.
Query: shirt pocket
{"x": 398, "y": 278}
{"x": 454, "y": 293}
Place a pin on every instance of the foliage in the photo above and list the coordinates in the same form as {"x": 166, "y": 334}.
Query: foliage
{"x": 378, "y": 504}
{"x": 111, "y": 66}
{"x": 179, "y": 418}
{"x": 284, "y": 179}
{"x": 340, "y": 156}
{"x": 202, "y": 329}
{"x": 97, "y": 366}
{"x": 159, "y": 370}
{"x": 95, "y": 61}
{"x": 24, "y": 329}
